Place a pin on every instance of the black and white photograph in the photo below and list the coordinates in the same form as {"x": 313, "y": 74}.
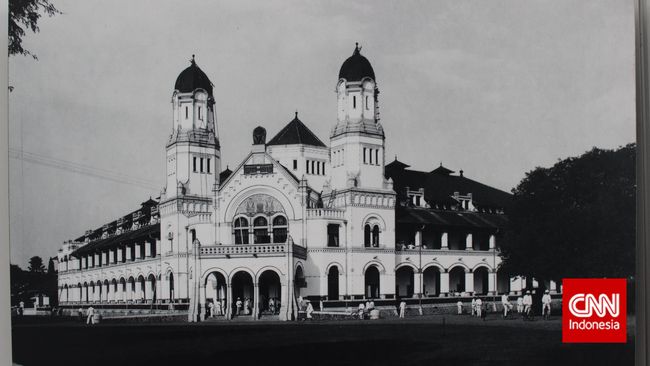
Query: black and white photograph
{"x": 322, "y": 182}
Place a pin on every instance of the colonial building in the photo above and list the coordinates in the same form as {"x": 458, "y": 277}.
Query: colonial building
{"x": 297, "y": 218}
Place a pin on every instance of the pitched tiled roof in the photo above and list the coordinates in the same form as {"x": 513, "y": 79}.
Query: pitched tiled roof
{"x": 224, "y": 175}
{"x": 296, "y": 133}
{"x": 440, "y": 186}
{"x": 460, "y": 219}
{"x": 124, "y": 238}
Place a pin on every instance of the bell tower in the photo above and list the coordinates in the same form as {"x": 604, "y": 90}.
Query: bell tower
{"x": 357, "y": 140}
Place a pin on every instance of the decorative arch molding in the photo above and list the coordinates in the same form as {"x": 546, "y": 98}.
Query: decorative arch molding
{"x": 380, "y": 267}
{"x": 269, "y": 268}
{"x": 437, "y": 265}
{"x": 459, "y": 264}
{"x": 208, "y": 272}
{"x": 406, "y": 264}
{"x": 334, "y": 264}
{"x": 240, "y": 269}
{"x": 374, "y": 217}
{"x": 298, "y": 264}
{"x": 482, "y": 265}
{"x": 236, "y": 202}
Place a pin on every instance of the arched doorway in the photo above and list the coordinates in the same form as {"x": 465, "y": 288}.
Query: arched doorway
{"x": 270, "y": 293}
{"x": 371, "y": 282}
{"x": 481, "y": 281}
{"x": 333, "y": 283}
{"x": 299, "y": 282}
{"x": 431, "y": 281}
{"x": 131, "y": 289}
{"x": 457, "y": 279}
{"x": 151, "y": 280}
{"x": 242, "y": 293}
{"x": 141, "y": 289}
{"x": 215, "y": 292}
{"x": 404, "y": 281}
{"x": 122, "y": 289}
{"x": 171, "y": 286}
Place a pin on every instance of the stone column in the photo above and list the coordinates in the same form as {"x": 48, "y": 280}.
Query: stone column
{"x": 469, "y": 282}
{"x": 148, "y": 290}
{"x": 108, "y": 295}
{"x": 256, "y": 300}
{"x": 417, "y": 283}
{"x": 229, "y": 302}
{"x": 129, "y": 291}
{"x": 444, "y": 241}
{"x": 444, "y": 283}
{"x": 418, "y": 238}
{"x": 492, "y": 282}
{"x": 202, "y": 302}
{"x": 469, "y": 242}
{"x": 493, "y": 242}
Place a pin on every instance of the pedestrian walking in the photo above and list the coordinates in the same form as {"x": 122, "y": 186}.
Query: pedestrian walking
{"x": 402, "y": 309}
{"x": 479, "y": 307}
{"x": 459, "y": 305}
{"x": 546, "y": 305}
{"x": 528, "y": 304}
{"x": 90, "y": 313}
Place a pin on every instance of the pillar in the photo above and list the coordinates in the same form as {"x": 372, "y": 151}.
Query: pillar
{"x": 108, "y": 295}
{"x": 418, "y": 238}
{"x": 129, "y": 291}
{"x": 444, "y": 283}
{"x": 417, "y": 283}
{"x": 493, "y": 242}
{"x": 256, "y": 300}
{"x": 492, "y": 282}
{"x": 444, "y": 241}
{"x": 469, "y": 282}
{"x": 229, "y": 302}
{"x": 469, "y": 242}
{"x": 148, "y": 290}
{"x": 158, "y": 247}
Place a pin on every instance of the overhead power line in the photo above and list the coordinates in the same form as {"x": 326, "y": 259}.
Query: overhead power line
{"x": 81, "y": 169}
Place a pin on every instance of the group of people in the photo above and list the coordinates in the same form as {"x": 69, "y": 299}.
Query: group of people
{"x": 365, "y": 309}
{"x": 90, "y": 316}
{"x": 216, "y": 308}
{"x": 524, "y": 306}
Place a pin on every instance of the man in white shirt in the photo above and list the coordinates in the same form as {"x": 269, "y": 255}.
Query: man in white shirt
{"x": 506, "y": 305}
{"x": 239, "y": 305}
{"x": 473, "y": 306}
{"x": 402, "y": 309}
{"x": 479, "y": 307}
{"x": 520, "y": 304}
{"x": 546, "y": 305}
{"x": 90, "y": 313}
{"x": 459, "y": 305}
{"x": 310, "y": 309}
{"x": 528, "y": 304}
{"x": 362, "y": 308}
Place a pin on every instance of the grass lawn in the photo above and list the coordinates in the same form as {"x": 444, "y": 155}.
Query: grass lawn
{"x": 462, "y": 340}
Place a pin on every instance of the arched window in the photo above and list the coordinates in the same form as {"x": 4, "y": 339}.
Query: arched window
{"x": 375, "y": 236}
{"x": 279, "y": 229}
{"x": 241, "y": 231}
{"x": 366, "y": 236}
{"x": 261, "y": 230}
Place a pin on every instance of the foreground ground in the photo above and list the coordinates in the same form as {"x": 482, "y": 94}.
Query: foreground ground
{"x": 431, "y": 340}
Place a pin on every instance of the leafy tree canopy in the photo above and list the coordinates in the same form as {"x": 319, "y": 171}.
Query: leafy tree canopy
{"x": 36, "y": 264}
{"x": 24, "y": 14}
{"x": 575, "y": 219}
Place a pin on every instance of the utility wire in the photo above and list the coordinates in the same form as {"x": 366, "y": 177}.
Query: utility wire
{"x": 81, "y": 169}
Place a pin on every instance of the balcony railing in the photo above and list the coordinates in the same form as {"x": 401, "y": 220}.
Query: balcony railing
{"x": 258, "y": 169}
{"x": 325, "y": 213}
{"x": 244, "y": 249}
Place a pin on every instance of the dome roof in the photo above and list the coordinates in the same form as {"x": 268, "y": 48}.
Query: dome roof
{"x": 193, "y": 78}
{"x": 356, "y": 67}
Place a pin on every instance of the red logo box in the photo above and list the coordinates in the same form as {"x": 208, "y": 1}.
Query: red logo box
{"x": 594, "y": 310}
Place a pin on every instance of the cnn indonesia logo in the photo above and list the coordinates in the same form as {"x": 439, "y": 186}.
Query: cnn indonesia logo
{"x": 595, "y": 311}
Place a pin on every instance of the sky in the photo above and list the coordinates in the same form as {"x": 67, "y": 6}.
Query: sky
{"x": 492, "y": 87}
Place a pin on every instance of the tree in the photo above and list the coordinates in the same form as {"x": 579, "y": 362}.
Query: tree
{"x": 50, "y": 267}
{"x": 26, "y": 13}
{"x": 575, "y": 219}
{"x": 36, "y": 264}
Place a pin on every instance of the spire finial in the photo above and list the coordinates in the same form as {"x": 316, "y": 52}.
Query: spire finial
{"x": 296, "y": 114}
{"x": 357, "y": 48}
{"x": 395, "y": 157}
{"x": 192, "y": 61}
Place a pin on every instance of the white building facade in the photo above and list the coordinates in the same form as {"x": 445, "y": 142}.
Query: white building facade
{"x": 296, "y": 219}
